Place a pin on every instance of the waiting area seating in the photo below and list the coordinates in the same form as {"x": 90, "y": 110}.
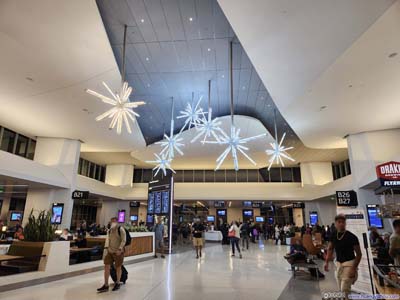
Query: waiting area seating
{"x": 21, "y": 258}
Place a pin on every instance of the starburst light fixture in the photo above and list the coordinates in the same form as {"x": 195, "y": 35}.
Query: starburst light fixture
{"x": 192, "y": 114}
{"x": 234, "y": 144}
{"x": 208, "y": 128}
{"x": 172, "y": 142}
{"x": 163, "y": 163}
{"x": 277, "y": 152}
{"x": 122, "y": 111}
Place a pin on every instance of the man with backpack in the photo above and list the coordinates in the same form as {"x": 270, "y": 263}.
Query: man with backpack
{"x": 114, "y": 254}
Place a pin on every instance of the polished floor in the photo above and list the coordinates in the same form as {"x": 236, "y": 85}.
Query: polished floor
{"x": 261, "y": 274}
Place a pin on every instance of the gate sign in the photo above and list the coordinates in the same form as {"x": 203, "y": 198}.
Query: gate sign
{"x": 346, "y": 198}
{"x": 389, "y": 174}
{"x": 79, "y": 195}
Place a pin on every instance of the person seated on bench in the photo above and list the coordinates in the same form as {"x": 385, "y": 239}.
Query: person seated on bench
{"x": 19, "y": 235}
{"x": 65, "y": 235}
{"x": 298, "y": 254}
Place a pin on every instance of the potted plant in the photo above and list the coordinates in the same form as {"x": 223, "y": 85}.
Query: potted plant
{"x": 39, "y": 242}
{"x": 39, "y": 228}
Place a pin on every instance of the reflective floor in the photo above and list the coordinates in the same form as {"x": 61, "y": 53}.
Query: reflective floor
{"x": 261, "y": 274}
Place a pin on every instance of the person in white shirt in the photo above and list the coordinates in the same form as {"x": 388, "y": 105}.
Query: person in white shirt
{"x": 65, "y": 235}
{"x": 234, "y": 235}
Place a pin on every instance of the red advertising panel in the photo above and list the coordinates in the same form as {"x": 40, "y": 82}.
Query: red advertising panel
{"x": 389, "y": 173}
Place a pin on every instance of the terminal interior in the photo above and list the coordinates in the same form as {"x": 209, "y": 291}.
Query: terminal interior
{"x": 279, "y": 117}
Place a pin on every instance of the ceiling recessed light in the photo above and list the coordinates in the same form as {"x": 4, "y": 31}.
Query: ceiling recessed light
{"x": 29, "y": 78}
{"x": 391, "y": 55}
{"x": 142, "y": 20}
{"x": 350, "y": 85}
{"x": 209, "y": 49}
{"x": 223, "y": 76}
{"x": 190, "y": 19}
{"x": 147, "y": 59}
{"x": 322, "y": 107}
{"x": 244, "y": 87}
{"x": 148, "y": 85}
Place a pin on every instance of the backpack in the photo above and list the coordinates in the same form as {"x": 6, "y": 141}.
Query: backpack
{"x": 128, "y": 238}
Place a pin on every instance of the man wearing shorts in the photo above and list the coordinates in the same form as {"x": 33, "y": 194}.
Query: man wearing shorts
{"x": 113, "y": 253}
{"x": 348, "y": 255}
{"x": 198, "y": 229}
{"x": 159, "y": 238}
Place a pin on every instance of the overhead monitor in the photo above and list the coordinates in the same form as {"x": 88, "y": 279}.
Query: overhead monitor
{"x": 313, "y": 218}
{"x": 219, "y": 204}
{"x": 121, "y": 216}
{"x": 247, "y": 203}
{"x": 247, "y": 212}
{"x": 260, "y": 219}
{"x": 134, "y": 218}
{"x": 210, "y": 218}
{"x": 150, "y": 219}
{"x": 16, "y": 216}
{"x": 221, "y": 212}
{"x": 374, "y": 217}
{"x": 57, "y": 213}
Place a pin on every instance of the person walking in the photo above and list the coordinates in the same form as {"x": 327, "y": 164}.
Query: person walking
{"x": 113, "y": 254}
{"x": 245, "y": 234}
{"x": 234, "y": 235}
{"x": 348, "y": 255}
{"x": 198, "y": 229}
{"x": 277, "y": 233}
{"x": 159, "y": 232}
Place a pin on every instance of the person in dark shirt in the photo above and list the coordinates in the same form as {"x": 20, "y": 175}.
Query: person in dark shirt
{"x": 198, "y": 229}
{"x": 348, "y": 255}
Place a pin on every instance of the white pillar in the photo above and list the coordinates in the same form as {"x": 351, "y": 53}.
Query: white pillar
{"x": 62, "y": 154}
{"x": 316, "y": 173}
{"x": 119, "y": 175}
{"x": 366, "y": 151}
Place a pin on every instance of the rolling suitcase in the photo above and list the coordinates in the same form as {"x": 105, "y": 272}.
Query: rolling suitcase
{"x": 124, "y": 274}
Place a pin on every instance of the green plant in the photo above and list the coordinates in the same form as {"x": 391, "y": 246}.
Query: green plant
{"x": 39, "y": 228}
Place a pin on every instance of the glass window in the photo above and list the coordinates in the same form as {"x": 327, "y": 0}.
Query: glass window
{"x": 188, "y": 175}
{"x": 275, "y": 174}
{"x": 8, "y": 140}
{"x": 230, "y": 175}
{"x": 296, "y": 174}
{"x": 220, "y": 176}
{"x": 22, "y": 145}
{"x": 147, "y": 175}
{"x": 241, "y": 176}
{"x": 137, "y": 175}
{"x": 198, "y": 175}
{"x": 178, "y": 176}
{"x": 264, "y": 175}
{"x": 287, "y": 175}
{"x": 252, "y": 175}
{"x": 31, "y": 149}
{"x": 209, "y": 176}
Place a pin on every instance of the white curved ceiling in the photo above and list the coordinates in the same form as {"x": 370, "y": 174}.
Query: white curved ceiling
{"x": 62, "y": 46}
{"x": 308, "y": 53}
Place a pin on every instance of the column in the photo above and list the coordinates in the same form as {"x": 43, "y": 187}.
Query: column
{"x": 316, "y": 173}
{"x": 62, "y": 154}
{"x": 119, "y": 175}
{"x": 366, "y": 151}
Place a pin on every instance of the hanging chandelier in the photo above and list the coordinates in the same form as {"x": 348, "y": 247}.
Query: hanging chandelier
{"x": 207, "y": 127}
{"x": 192, "y": 114}
{"x": 163, "y": 163}
{"x": 235, "y": 144}
{"x": 172, "y": 142}
{"x": 122, "y": 111}
{"x": 278, "y": 151}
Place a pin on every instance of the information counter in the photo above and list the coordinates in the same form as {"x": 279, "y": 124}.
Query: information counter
{"x": 142, "y": 243}
{"x": 215, "y": 236}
